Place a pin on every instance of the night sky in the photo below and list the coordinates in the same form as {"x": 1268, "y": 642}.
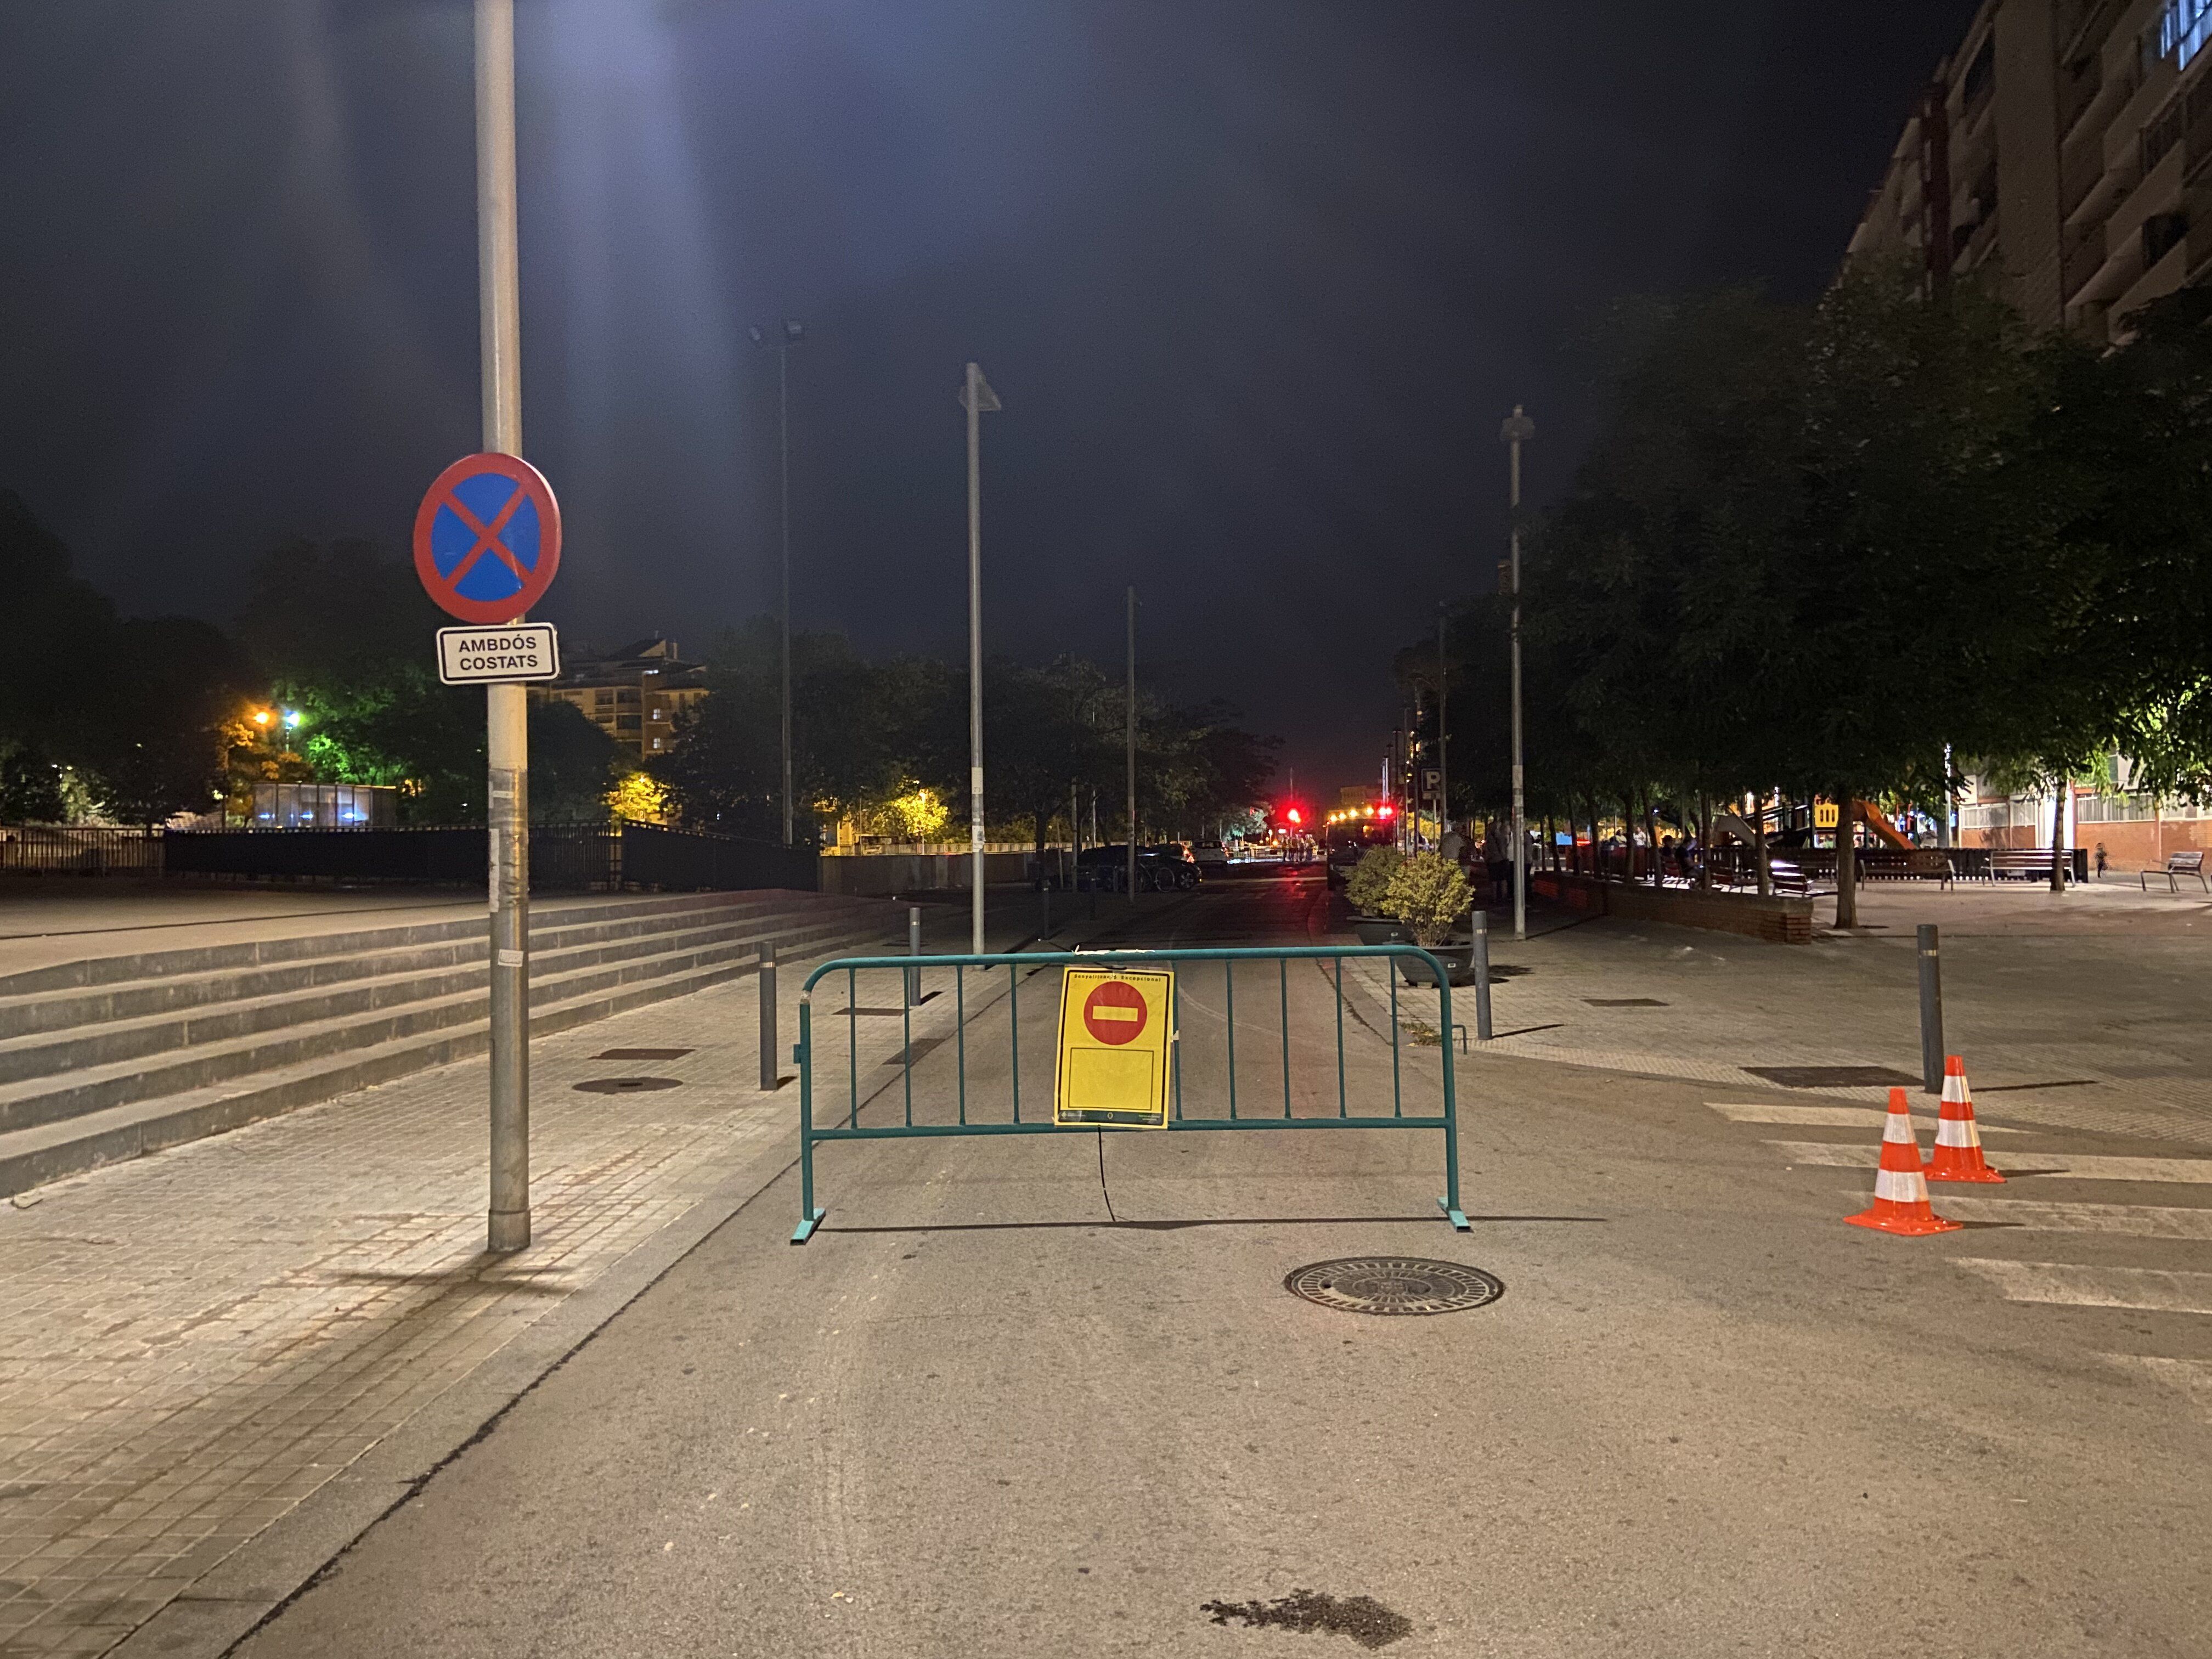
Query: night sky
{"x": 1257, "y": 280}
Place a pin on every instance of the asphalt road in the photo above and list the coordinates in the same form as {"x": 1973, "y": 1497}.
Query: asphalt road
{"x": 975, "y": 1417}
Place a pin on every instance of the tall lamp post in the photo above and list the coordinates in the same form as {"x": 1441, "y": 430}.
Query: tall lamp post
{"x": 979, "y": 400}
{"x": 790, "y": 334}
{"x": 506, "y": 706}
{"x": 1130, "y": 724}
{"x": 1516, "y": 432}
{"x": 1443, "y": 734}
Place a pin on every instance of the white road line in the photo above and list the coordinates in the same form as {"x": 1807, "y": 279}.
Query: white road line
{"x": 2191, "y": 1377}
{"x": 1838, "y": 1117}
{"x": 2058, "y": 1166}
{"x": 2152, "y": 1289}
{"x": 2050, "y": 1216}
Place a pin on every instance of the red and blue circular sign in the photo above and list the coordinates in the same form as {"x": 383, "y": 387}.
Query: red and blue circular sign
{"x": 488, "y": 539}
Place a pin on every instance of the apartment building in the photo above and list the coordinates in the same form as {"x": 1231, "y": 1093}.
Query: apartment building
{"x": 2065, "y": 150}
{"x": 635, "y": 694}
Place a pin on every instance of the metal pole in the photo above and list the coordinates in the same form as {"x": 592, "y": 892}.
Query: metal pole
{"x": 1443, "y": 736}
{"x": 1131, "y": 746}
{"x": 1482, "y": 973}
{"x": 1931, "y": 1010}
{"x": 506, "y": 728}
{"x": 913, "y": 949}
{"x": 783, "y": 427}
{"x": 769, "y": 1056}
{"x": 972, "y": 397}
{"x": 1516, "y": 432}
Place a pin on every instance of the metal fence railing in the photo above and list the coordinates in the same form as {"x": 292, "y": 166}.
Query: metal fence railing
{"x": 980, "y": 1093}
{"x": 49, "y": 849}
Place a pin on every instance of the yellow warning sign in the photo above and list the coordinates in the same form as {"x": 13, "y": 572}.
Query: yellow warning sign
{"x": 1114, "y": 1029}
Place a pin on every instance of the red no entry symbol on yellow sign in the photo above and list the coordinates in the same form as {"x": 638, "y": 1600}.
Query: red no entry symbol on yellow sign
{"x": 1114, "y": 1012}
{"x": 488, "y": 539}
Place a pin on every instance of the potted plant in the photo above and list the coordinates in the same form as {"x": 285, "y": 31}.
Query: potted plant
{"x": 1429, "y": 894}
{"x": 1368, "y": 887}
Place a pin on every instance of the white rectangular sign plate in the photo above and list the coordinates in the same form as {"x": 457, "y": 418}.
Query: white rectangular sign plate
{"x": 491, "y": 655}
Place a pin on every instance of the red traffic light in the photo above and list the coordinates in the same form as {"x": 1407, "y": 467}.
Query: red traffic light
{"x": 1294, "y": 815}
{"x": 1386, "y": 810}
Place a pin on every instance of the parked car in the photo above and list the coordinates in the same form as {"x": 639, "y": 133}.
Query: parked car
{"x": 1160, "y": 869}
{"x": 1210, "y": 857}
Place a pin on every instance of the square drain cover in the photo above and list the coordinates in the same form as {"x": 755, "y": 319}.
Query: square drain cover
{"x": 1836, "y": 1077}
{"x": 1624, "y": 1002}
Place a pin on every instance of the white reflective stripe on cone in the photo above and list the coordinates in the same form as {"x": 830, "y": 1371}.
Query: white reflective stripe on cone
{"x": 1957, "y": 1132}
{"x": 1900, "y": 1186}
{"x": 1955, "y": 1089}
{"x": 1900, "y": 1128}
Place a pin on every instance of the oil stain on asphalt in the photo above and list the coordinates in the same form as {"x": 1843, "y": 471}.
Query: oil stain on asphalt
{"x": 1362, "y": 1618}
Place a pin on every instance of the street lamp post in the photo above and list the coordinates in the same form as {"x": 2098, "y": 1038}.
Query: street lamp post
{"x": 506, "y": 727}
{"x": 1516, "y": 432}
{"x": 979, "y": 400}
{"x": 1444, "y": 735}
{"x": 1130, "y": 724}
{"x": 792, "y": 334}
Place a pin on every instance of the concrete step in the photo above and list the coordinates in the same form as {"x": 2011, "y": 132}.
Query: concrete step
{"x": 249, "y": 953}
{"x": 47, "y": 1079}
{"x": 37, "y": 1153}
{"x": 159, "y": 993}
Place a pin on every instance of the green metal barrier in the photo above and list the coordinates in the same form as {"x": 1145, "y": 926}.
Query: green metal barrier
{"x": 851, "y": 968}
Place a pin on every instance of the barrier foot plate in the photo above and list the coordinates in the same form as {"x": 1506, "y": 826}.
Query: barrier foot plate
{"x": 805, "y": 1230}
{"x": 1457, "y": 1218}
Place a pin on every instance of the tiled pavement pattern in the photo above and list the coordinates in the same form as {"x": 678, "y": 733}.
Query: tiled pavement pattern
{"x": 191, "y": 1343}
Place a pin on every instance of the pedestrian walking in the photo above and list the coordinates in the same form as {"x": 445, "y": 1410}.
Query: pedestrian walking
{"x": 2100, "y": 861}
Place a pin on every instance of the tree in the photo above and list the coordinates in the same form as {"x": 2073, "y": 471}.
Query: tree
{"x": 346, "y": 637}
{"x": 161, "y": 721}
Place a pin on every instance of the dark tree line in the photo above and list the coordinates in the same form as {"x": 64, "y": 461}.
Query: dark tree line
{"x": 1856, "y": 549}
{"x": 139, "y": 719}
{"x": 870, "y": 737}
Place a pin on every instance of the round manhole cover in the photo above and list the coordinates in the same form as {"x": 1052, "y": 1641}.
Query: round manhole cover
{"x": 1393, "y": 1285}
{"x": 628, "y": 1086}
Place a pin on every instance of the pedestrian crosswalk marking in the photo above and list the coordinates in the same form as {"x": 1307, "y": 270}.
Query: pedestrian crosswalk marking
{"x": 1837, "y": 1117}
{"x": 2058, "y": 1166}
{"x": 2136, "y": 1220}
{"x": 2150, "y": 1290}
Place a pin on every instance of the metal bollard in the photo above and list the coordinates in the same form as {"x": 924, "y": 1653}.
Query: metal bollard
{"x": 770, "y": 1075}
{"x": 1482, "y": 973}
{"x": 1044, "y": 928}
{"x": 913, "y": 949}
{"x": 1931, "y": 1010}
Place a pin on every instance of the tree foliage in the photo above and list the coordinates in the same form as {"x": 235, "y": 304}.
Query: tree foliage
{"x": 1817, "y": 547}
{"x": 886, "y": 741}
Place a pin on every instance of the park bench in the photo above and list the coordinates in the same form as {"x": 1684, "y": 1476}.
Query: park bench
{"x": 2021, "y": 861}
{"x": 1788, "y": 879}
{"x": 2176, "y": 865}
{"x": 1914, "y": 864}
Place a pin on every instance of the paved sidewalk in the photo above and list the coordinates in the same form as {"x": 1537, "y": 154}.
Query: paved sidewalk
{"x": 192, "y": 1343}
{"x": 2083, "y": 1011}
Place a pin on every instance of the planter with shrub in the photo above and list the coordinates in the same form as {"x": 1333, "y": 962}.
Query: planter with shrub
{"x": 1429, "y": 895}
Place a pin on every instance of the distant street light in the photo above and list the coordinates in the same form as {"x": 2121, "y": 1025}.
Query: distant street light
{"x": 979, "y": 400}
{"x": 792, "y": 334}
{"x": 1515, "y": 433}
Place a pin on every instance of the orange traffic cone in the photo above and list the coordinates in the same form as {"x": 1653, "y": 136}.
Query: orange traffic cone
{"x": 1958, "y": 1142}
{"x": 1900, "y": 1193}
